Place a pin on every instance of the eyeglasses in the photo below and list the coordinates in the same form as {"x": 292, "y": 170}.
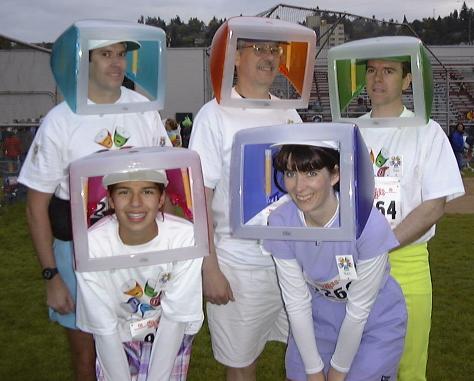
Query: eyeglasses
{"x": 263, "y": 49}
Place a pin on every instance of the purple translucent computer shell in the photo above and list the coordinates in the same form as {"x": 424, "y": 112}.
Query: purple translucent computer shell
{"x": 254, "y": 192}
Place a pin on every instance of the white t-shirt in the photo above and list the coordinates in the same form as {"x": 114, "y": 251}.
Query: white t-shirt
{"x": 111, "y": 301}
{"x": 65, "y": 136}
{"x": 213, "y": 132}
{"x": 420, "y": 159}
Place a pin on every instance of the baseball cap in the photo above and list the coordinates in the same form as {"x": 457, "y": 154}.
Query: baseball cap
{"x": 131, "y": 44}
{"x": 152, "y": 175}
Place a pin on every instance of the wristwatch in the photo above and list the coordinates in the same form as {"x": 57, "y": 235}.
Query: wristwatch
{"x": 49, "y": 272}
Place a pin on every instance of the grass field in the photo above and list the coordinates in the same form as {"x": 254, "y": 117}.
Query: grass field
{"x": 34, "y": 349}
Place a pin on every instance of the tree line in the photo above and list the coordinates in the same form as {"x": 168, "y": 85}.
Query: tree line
{"x": 455, "y": 29}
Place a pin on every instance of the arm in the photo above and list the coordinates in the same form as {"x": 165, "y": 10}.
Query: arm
{"x": 112, "y": 358}
{"x": 181, "y": 313}
{"x": 298, "y": 306}
{"x": 95, "y": 314}
{"x": 215, "y": 285}
{"x": 361, "y": 297}
{"x": 57, "y": 294}
{"x": 419, "y": 221}
{"x": 440, "y": 182}
{"x": 168, "y": 339}
{"x": 208, "y": 141}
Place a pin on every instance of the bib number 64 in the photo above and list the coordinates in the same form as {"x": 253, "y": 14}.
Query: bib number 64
{"x": 391, "y": 210}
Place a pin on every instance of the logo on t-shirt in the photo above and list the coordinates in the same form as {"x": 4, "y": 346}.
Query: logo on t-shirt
{"x": 118, "y": 139}
{"x": 143, "y": 299}
{"x": 386, "y": 164}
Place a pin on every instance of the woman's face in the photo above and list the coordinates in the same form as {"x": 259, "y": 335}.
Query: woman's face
{"x": 312, "y": 191}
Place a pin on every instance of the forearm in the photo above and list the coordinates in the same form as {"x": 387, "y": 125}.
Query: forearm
{"x": 58, "y": 296}
{"x": 112, "y": 358}
{"x": 298, "y": 306}
{"x": 210, "y": 262}
{"x": 350, "y": 335}
{"x": 216, "y": 287}
{"x": 419, "y": 221}
{"x": 212, "y": 258}
{"x": 168, "y": 339}
{"x": 360, "y": 300}
{"x": 40, "y": 227}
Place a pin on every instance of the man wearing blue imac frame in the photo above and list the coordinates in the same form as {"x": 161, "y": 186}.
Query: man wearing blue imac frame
{"x": 63, "y": 137}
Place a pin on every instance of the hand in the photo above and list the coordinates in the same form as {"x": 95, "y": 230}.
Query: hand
{"x": 316, "y": 377}
{"x": 334, "y": 375}
{"x": 216, "y": 287}
{"x": 58, "y": 296}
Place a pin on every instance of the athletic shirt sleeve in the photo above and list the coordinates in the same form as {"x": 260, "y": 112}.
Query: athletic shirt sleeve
{"x": 44, "y": 167}
{"x": 182, "y": 298}
{"x": 297, "y": 300}
{"x": 360, "y": 299}
{"x": 182, "y": 301}
{"x": 206, "y": 139}
{"x": 373, "y": 245}
{"x": 439, "y": 156}
{"x": 95, "y": 311}
{"x": 112, "y": 358}
{"x": 169, "y": 337}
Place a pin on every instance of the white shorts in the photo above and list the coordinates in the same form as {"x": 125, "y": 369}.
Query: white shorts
{"x": 240, "y": 329}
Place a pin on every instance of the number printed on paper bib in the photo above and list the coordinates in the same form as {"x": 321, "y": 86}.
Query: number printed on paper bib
{"x": 387, "y": 199}
{"x": 335, "y": 289}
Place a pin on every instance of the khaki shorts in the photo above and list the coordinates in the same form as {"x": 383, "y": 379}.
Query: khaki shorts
{"x": 240, "y": 329}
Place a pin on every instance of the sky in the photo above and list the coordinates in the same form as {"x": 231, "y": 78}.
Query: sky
{"x": 45, "y": 20}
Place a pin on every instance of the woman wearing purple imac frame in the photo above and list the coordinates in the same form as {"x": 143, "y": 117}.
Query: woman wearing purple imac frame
{"x": 347, "y": 314}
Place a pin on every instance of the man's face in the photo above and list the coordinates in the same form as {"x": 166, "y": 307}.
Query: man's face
{"x": 257, "y": 63}
{"x": 107, "y": 68}
{"x": 385, "y": 83}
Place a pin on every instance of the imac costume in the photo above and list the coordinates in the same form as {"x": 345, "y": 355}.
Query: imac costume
{"x": 412, "y": 161}
{"x": 142, "y": 302}
{"x": 352, "y": 321}
{"x": 237, "y": 342}
{"x": 77, "y": 127}
{"x": 115, "y": 302}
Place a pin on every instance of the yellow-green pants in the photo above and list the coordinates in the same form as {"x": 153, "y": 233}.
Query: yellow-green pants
{"x": 411, "y": 269}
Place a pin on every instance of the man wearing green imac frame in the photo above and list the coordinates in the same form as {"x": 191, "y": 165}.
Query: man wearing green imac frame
{"x": 415, "y": 176}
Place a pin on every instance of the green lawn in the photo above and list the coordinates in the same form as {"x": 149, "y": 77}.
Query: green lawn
{"x": 35, "y": 350}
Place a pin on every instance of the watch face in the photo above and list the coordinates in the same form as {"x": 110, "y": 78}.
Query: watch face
{"x": 49, "y": 273}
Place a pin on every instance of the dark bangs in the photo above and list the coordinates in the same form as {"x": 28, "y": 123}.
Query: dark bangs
{"x": 305, "y": 158}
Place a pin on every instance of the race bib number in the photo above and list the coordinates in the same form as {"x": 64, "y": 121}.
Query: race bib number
{"x": 144, "y": 329}
{"x": 336, "y": 289}
{"x": 387, "y": 199}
